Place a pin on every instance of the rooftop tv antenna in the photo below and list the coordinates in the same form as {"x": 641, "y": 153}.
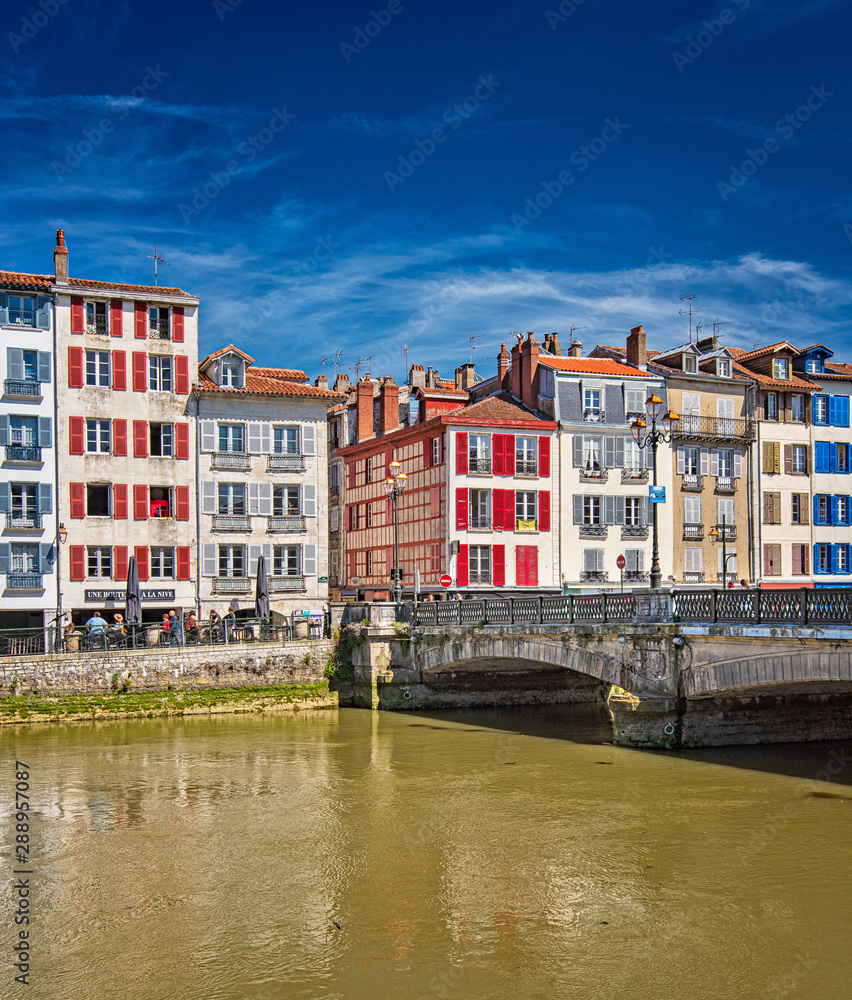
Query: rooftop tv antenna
{"x": 716, "y": 324}
{"x": 405, "y": 355}
{"x": 472, "y": 340}
{"x": 338, "y": 354}
{"x": 156, "y": 259}
{"x": 690, "y": 311}
{"x": 323, "y": 361}
{"x": 573, "y": 328}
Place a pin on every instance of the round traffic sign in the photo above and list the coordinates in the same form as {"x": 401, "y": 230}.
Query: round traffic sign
{"x": 621, "y": 562}
{"x": 446, "y": 581}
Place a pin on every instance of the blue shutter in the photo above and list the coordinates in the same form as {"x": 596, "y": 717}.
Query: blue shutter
{"x": 834, "y": 515}
{"x": 832, "y": 458}
{"x": 842, "y": 411}
{"x": 45, "y": 433}
{"x": 816, "y": 559}
{"x": 46, "y": 557}
{"x": 45, "y": 498}
{"x": 15, "y": 363}
{"x": 43, "y": 312}
{"x": 43, "y": 366}
{"x": 833, "y": 558}
{"x": 816, "y": 510}
{"x": 4, "y": 309}
{"x": 4, "y": 429}
{"x": 5, "y": 498}
{"x": 822, "y": 456}
{"x": 832, "y": 410}
{"x": 5, "y": 557}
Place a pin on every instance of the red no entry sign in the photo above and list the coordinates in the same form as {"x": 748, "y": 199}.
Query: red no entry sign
{"x": 446, "y": 581}
{"x": 621, "y": 562}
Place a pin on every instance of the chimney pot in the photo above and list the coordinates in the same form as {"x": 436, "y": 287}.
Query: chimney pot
{"x": 60, "y": 259}
{"x": 576, "y": 349}
{"x": 637, "y": 354}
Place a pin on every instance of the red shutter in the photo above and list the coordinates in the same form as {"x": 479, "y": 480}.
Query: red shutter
{"x": 119, "y": 370}
{"x": 141, "y": 553}
{"x": 140, "y": 321}
{"x": 498, "y": 501}
{"x": 353, "y": 565}
{"x": 116, "y": 318}
{"x": 119, "y": 437}
{"x": 351, "y": 474}
{"x": 119, "y": 501}
{"x": 427, "y": 452}
{"x": 509, "y": 510}
{"x": 182, "y": 440}
{"x": 497, "y": 458}
{"x": 499, "y": 559}
{"x": 461, "y": 508}
{"x": 462, "y": 572}
{"x": 181, "y": 374}
{"x": 75, "y": 367}
{"x": 183, "y": 562}
{"x": 76, "y": 435}
{"x": 78, "y": 499}
{"x": 544, "y": 510}
{"x": 521, "y": 566}
{"x": 78, "y": 562}
{"x": 509, "y": 454}
{"x": 544, "y": 456}
{"x": 140, "y": 371}
{"x": 177, "y": 324}
{"x": 140, "y": 502}
{"x": 140, "y": 438}
{"x": 461, "y": 452}
{"x": 532, "y": 566}
{"x": 181, "y": 503}
{"x": 78, "y": 316}
{"x": 119, "y": 562}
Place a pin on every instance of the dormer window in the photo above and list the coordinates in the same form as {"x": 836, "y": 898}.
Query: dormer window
{"x": 723, "y": 368}
{"x": 813, "y": 366}
{"x": 780, "y": 368}
{"x": 231, "y": 374}
{"x": 690, "y": 363}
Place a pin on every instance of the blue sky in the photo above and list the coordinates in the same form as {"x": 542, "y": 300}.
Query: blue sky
{"x": 357, "y": 177}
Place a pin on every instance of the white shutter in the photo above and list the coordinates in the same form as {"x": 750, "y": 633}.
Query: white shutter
{"x": 264, "y": 499}
{"x": 631, "y": 560}
{"x": 634, "y": 400}
{"x": 309, "y": 434}
{"x": 265, "y": 439}
{"x": 705, "y": 462}
{"x": 267, "y": 558}
{"x": 578, "y": 508}
{"x": 738, "y": 464}
{"x": 208, "y": 435}
{"x": 309, "y": 560}
{"x": 599, "y": 560}
{"x": 208, "y": 559}
{"x": 692, "y": 510}
{"x": 725, "y": 508}
{"x": 208, "y": 498}
{"x": 254, "y": 445}
{"x": 691, "y": 404}
{"x": 609, "y": 508}
{"x": 714, "y": 462}
{"x": 334, "y": 518}
{"x": 578, "y": 451}
{"x": 693, "y": 559}
{"x": 253, "y": 499}
{"x": 725, "y": 406}
{"x": 681, "y": 461}
{"x": 619, "y": 453}
{"x": 609, "y": 453}
{"x": 254, "y": 555}
{"x": 619, "y": 510}
{"x": 590, "y": 560}
{"x": 309, "y": 500}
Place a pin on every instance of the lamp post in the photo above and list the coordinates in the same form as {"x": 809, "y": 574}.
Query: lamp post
{"x": 61, "y": 535}
{"x": 650, "y": 439}
{"x": 395, "y": 487}
{"x": 714, "y": 534}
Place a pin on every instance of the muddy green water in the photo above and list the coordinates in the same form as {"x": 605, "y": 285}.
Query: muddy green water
{"x": 489, "y": 854}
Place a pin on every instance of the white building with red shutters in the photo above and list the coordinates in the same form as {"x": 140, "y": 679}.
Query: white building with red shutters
{"x": 124, "y": 354}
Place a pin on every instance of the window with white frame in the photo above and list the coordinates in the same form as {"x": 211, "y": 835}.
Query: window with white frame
{"x": 97, "y": 368}
{"x": 369, "y": 515}
{"x": 479, "y": 557}
{"x": 369, "y": 469}
{"x": 593, "y": 561}
{"x": 780, "y": 368}
{"x": 23, "y": 431}
{"x": 690, "y": 461}
{"x": 632, "y": 456}
{"x": 436, "y": 451}
{"x": 159, "y": 373}
{"x": 813, "y": 366}
{"x": 285, "y": 500}
{"x": 479, "y": 453}
{"x": 369, "y": 563}
{"x": 161, "y": 562}
{"x": 22, "y": 310}
{"x": 593, "y": 404}
{"x": 480, "y": 508}
{"x": 690, "y": 363}
{"x": 592, "y": 457}
{"x": 633, "y": 511}
{"x": 843, "y": 510}
{"x": 160, "y": 440}
{"x": 690, "y": 417}
{"x": 285, "y": 560}
{"x": 726, "y": 462}
{"x": 98, "y": 436}
{"x": 231, "y": 374}
{"x": 797, "y": 408}
{"x": 692, "y": 510}
{"x": 232, "y": 438}
{"x": 770, "y": 405}
{"x": 526, "y": 455}
{"x": 725, "y": 511}
{"x": 634, "y": 560}
{"x": 96, "y": 318}
{"x": 24, "y": 558}
{"x": 592, "y": 513}
{"x": 98, "y": 561}
{"x": 24, "y": 498}
{"x": 821, "y": 409}
{"x": 158, "y": 322}
{"x": 729, "y": 571}
{"x": 634, "y": 403}
{"x": 525, "y": 505}
{"x": 693, "y": 563}
{"x": 231, "y": 498}
{"x": 232, "y": 560}
{"x": 842, "y": 558}
{"x": 800, "y": 459}
{"x": 285, "y": 440}
{"x": 723, "y": 368}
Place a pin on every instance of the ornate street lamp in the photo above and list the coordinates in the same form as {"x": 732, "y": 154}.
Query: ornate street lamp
{"x": 715, "y": 534}
{"x": 650, "y": 439}
{"x": 395, "y": 486}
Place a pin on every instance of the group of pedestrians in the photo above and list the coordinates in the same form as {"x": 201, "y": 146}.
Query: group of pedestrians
{"x": 98, "y": 632}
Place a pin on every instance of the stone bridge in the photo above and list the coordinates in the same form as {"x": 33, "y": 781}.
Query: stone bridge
{"x": 667, "y": 685}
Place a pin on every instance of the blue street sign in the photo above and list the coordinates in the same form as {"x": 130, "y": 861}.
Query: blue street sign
{"x": 657, "y": 494}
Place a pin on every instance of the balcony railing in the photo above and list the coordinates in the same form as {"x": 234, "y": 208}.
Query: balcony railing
{"x": 284, "y": 583}
{"x": 594, "y": 576}
{"x": 97, "y": 325}
{"x": 286, "y": 522}
{"x": 635, "y": 575}
{"x": 233, "y": 460}
{"x": 593, "y": 531}
{"x": 692, "y": 482}
{"x": 594, "y": 475}
{"x": 692, "y": 425}
{"x": 24, "y": 581}
{"x": 231, "y": 584}
{"x": 526, "y": 468}
{"x": 634, "y": 475}
{"x": 694, "y": 532}
{"x": 726, "y": 484}
{"x": 22, "y": 453}
{"x": 594, "y": 416}
{"x": 285, "y": 463}
{"x": 481, "y": 465}
{"x": 482, "y": 522}
{"x": 693, "y": 577}
{"x": 729, "y": 531}
{"x": 480, "y": 578}
{"x": 22, "y": 387}
{"x": 23, "y": 520}
{"x": 159, "y": 330}
{"x": 231, "y": 522}
{"x": 634, "y": 531}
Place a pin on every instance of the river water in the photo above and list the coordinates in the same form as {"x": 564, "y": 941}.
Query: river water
{"x": 470, "y": 856}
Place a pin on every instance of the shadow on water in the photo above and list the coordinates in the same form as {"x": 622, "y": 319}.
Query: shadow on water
{"x": 827, "y": 760}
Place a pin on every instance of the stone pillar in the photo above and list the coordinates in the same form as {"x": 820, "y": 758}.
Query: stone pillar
{"x": 651, "y": 716}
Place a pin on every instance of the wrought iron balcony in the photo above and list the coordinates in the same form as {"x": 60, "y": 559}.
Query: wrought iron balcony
{"x": 694, "y": 426}
{"x": 284, "y": 583}
{"x": 594, "y": 576}
{"x": 594, "y": 416}
{"x": 692, "y": 483}
{"x": 526, "y": 468}
{"x": 634, "y": 531}
{"x": 23, "y": 520}
{"x": 286, "y": 522}
{"x": 22, "y": 387}
{"x": 481, "y": 522}
{"x": 634, "y": 475}
{"x": 694, "y": 532}
{"x": 480, "y": 465}
{"x": 729, "y": 531}
{"x": 231, "y": 584}
{"x": 693, "y": 577}
{"x": 24, "y": 581}
{"x": 97, "y": 325}
{"x": 159, "y": 330}
{"x": 285, "y": 463}
{"x": 231, "y": 522}
{"x": 594, "y": 475}
{"x": 21, "y": 317}
{"x": 480, "y": 578}
{"x": 593, "y": 531}
{"x": 636, "y": 575}
{"x": 726, "y": 484}
{"x": 234, "y": 461}
{"x": 22, "y": 453}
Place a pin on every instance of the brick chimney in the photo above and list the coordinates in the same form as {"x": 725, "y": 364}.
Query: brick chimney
{"x": 321, "y": 382}
{"x": 364, "y": 409}
{"x": 529, "y": 369}
{"x": 60, "y": 259}
{"x": 502, "y": 366}
{"x": 390, "y": 405}
{"x": 516, "y": 368}
{"x": 465, "y": 376}
{"x": 341, "y": 383}
{"x": 555, "y": 346}
{"x": 637, "y": 353}
{"x": 576, "y": 349}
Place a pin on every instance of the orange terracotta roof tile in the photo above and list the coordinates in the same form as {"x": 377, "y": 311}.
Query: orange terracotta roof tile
{"x": 592, "y": 366}
{"x": 760, "y": 352}
{"x": 230, "y": 349}
{"x": 813, "y": 347}
{"x": 288, "y": 374}
{"x": 766, "y": 380}
{"x": 442, "y": 391}
{"x": 46, "y": 281}
{"x": 261, "y": 386}
{"x": 838, "y": 369}
{"x": 500, "y": 408}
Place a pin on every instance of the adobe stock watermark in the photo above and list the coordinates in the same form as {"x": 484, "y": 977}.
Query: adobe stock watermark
{"x": 454, "y": 117}
{"x": 248, "y": 151}
{"x": 582, "y": 159}
{"x": 562, "y": 12}
{"x": 93, "y": 137}
{"x": 223, "y": 7}
{"x": 697, "y": 45}
{"x": 786, "y": 128}
{"x": 379, "y": 20}
{"x": 42, "y": 15}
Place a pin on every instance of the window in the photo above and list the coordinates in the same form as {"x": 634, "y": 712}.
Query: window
{"x": 285, "y": 501}
{"x": 546, "y": 383}
{"x": 726, "y": 462}
{"x": 692, "y": 510}
{"x": 820, "y": 409}
{"x": 369, "y": 563}
{"x": 690, "y": 418}
{"x": 772, "y": 560}
{"x": 799, "y": 510}
{"x": 480, "y": 508}
{"x": 842, "y": 461}
{"x": 780, "y": 368}
{"x": 285, "y": 560}
{"x": 158, "y": 323}
{"x": 841, "y": 564}
{"x": 232, "y": 438}
{"x": 771, "y": 508}
{"x": 690, "y": 461}
{"x": 97, "y": 436}
{"x": 592, "y": 510}
{"x": 232, "y": 498}
{"x": 822, "y": 558}
{"x": 23, "y": 431}
{"x": 725, "y": 511}
{"x": 813, "y": 366}
{"x": 161, "y": 562}
{"x": 593, "y": 561}
{"x": 723, "y": 368}
{"x": 369, "y": 515}
{"x": 593, "y": 404}
{"x": 25, "y": 558}
{"x": 633, "y": 511}
{"x": 97, "y": 500}
{"x": 231, "y": 374}
{"x": 96, "y": 318}
{"x": 770, "y": 405}
{"x": 160, "y": 440}
{"x": 800, "y": 459}
{"x": 525, "y": 505}
{"x": 30, "y": 366}
{"x": 592, "y": 457}
{"x": 479, "y": 453}
{"x": 797, "y": 407}
{"x": 99, "y": 560}
{"x": 285, "y": 440}
{"x": 22, "y": 310}
{"x": 526, "y": 456}
{"x": 842, "y": 510}
{"x": 436, "y": 451}
{"x": 822, "y": 509}
{"x": 480, "y": 563}
{"x": 97, "y": 368}
{"x": 634, "y": 404}
{"x": 693, "y": 564}
{"x": 159, "y": 373}
{"x": 632, "y": 456}
{"x": 634, "y": 560}
{"x": 232, "y": 560}
{"x": 24, "y": 499}
{"x": 369, "y": 469}
{"x": 690, "y": 363}
{"x": 800, "y": 560}
{"x": 160, "y": 502}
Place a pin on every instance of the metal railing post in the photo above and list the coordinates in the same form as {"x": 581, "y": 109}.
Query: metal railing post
{"x": 540, "y": 616}
{"x": 713, "y": 609}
